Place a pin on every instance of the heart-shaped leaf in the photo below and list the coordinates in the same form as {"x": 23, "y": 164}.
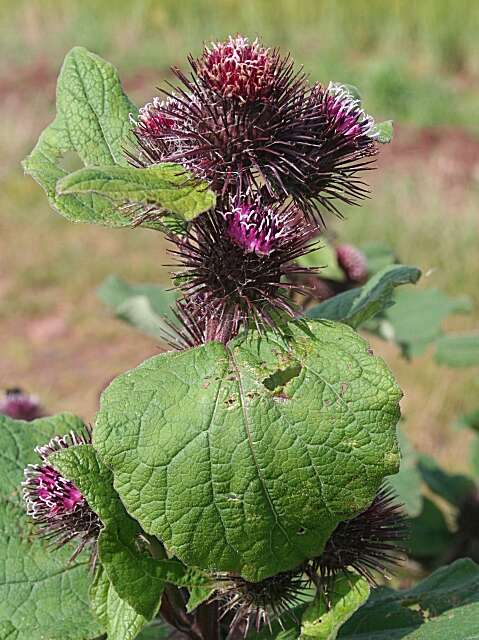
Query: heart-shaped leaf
{"x": 244, "y": 458}
{"x": 92, "y": 121}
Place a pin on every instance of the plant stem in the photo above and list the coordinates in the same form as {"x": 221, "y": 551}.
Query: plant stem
{"x": 207, "y": 617}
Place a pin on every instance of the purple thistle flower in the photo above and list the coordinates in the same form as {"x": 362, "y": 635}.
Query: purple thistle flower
{"x": 19, "y": 405}
{"x": 234, "y": 274}
{"x": 345, "y": 112}
{"x": 55, "y": 504}
{"x": 154, "y": 122}
{"x": 370, "y": 543}
{"x": 259, "y": 229}
{"x": 353, "y": 262}
{"x": 278, "y": 135}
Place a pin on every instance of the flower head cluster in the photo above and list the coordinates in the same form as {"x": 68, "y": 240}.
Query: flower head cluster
{"x": 277, "y": 151}
{"x": 246, "y": 121}
{"x": 19, "y": 405}
{"x": 261, "y": 229}
{"x": 55, "y": 504}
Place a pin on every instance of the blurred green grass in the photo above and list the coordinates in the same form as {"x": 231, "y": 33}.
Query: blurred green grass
{"x": 417, "y": 63}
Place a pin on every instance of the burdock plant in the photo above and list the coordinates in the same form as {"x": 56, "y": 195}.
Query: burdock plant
{"x": 234, "y": 484}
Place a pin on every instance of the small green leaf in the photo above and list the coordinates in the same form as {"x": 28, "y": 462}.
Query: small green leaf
{"x": 93, "y": 121}
{"x": 383, "y": 132}
{"x": 147, "y": 307}
{"x": 454, "y": 488}
{"x": 119, "y": 619}
{"x": 127, "y": 568}
{"x": 137, "y": 312}
{"x": 139, "y": 578}
{"x": 114, "y": 292}
{"x": 322, "y": 622}
{"x": 444, "y": 606}
{"x": 82, "y": 466}
{"x": 407, "y": 482}
{"x": 356, "y": 306}
{"x": 458, "y": 350}
{"x": 235, "y": 473}
{"x": 166, "y": 186}
{"x": 197, "y": 596}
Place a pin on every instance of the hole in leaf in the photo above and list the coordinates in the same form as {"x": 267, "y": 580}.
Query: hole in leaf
{"x": 70, "y": 162}
{"x": 281, "y": 377}
{"x": 301, "y": 531}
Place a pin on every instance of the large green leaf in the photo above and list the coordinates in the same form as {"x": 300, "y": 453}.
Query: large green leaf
{"x": 42, "y": 594}
{"x": 322, "y": 621}
{"x": 166, "y": 186}
{"x": 120, "y": 620}
{"x": 136, "y": 576}
{"x": 244, "y": 458}
{"x": 92, "y": 121}
{"x": 444, "y": 606}
{"x": 356, "y": 306}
